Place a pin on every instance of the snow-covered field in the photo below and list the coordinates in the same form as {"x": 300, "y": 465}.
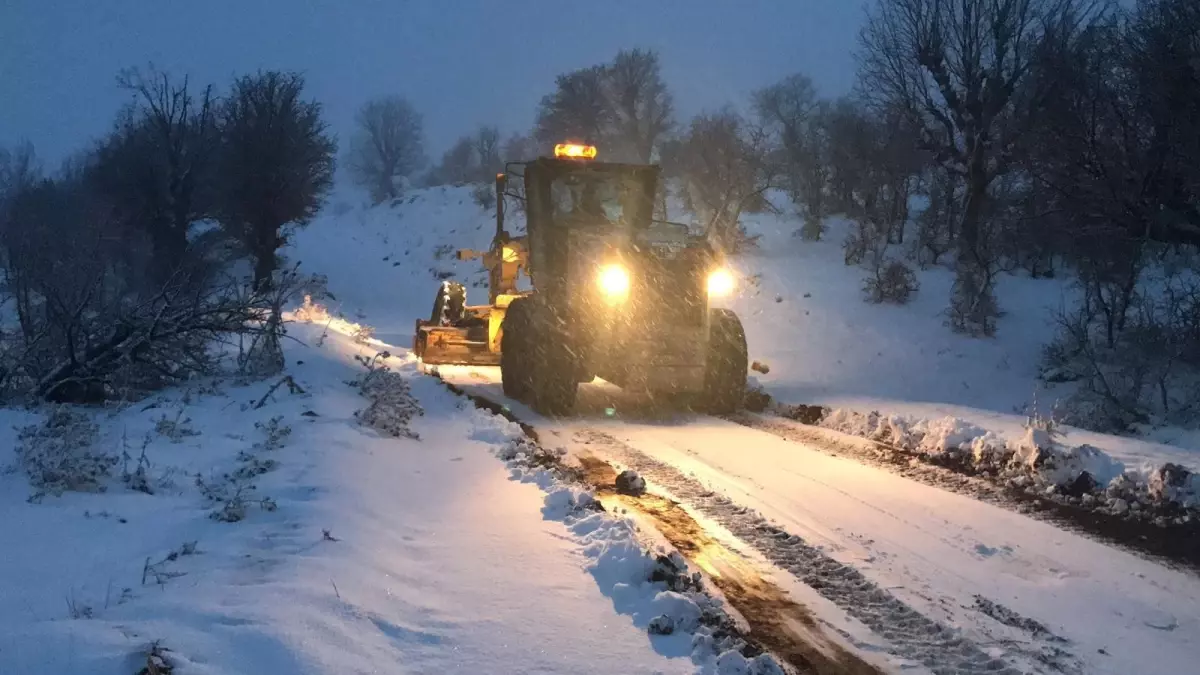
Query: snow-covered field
{"x": 356, "y": 551}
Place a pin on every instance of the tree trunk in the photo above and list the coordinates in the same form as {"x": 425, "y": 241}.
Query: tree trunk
{"x": 169, "y": 245}
{"x": 264, "y": 269}
{"x": 968, "y": 233}
{"x": 266, "y": 243}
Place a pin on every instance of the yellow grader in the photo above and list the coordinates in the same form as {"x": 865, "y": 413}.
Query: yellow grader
{"x": 615, "y": 294}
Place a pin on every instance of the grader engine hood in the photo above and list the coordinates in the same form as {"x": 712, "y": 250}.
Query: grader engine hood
{"x": 647, "y": 282}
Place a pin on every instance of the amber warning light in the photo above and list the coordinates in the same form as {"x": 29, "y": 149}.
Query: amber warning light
{"x": 575, "y": 151}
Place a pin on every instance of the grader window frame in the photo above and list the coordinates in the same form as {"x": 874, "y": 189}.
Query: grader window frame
{"x": 546, "y": 231}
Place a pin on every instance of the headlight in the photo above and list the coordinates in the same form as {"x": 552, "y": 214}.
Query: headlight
{"x": 720, "y": 282}
{"x": 614, "y": 282}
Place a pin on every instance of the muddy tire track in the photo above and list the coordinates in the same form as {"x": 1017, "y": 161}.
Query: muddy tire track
{"x": 911, "y": 635}
{"x": 779, "y": 624}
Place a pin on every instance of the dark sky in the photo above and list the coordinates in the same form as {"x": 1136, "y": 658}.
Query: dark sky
{"x": 461, "y": 62}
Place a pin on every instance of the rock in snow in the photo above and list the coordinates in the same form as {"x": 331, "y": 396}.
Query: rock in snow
{"x": 661, "y": 625}
{"x": 630, "y": 483}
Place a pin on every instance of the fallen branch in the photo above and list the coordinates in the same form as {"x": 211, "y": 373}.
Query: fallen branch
{"x": 292, "y": 387}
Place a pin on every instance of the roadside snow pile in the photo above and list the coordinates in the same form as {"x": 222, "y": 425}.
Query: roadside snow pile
{"x": 1036, "y": 463}
{"x": 662, "y": 594}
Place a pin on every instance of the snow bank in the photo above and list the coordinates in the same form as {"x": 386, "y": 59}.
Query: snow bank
{"x": 1035, "y": 461}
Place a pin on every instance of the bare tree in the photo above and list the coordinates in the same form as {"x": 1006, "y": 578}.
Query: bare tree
{"x": 19, "y": 168}
{"x": 795, "y": 116}
{"x": 277, "y": 163}
{"x": 938, "y": 222}
{"x": 642, "y": 107}
{"x": 388, "y": 145}
{"x": 156, "y": 168}
{"x": 578, "y": 109}
{"x": 459, "y": 165}
{"x": 959, "y": 71}
{"x": 724, "y": 165}
{"x": 487, "y": 152}
{"x": 519, "y": 148}
{"x": 849, "y": 126}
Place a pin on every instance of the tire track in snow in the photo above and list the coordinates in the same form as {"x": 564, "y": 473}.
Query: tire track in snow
{"x": 912, "y": 635}
{"x": 784, "y": 627}
{"x": 778, "y": 624}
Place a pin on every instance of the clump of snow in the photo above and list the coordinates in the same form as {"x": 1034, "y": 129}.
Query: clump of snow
{"x": 732, "y": 663}
{"x": 927, "y": 436}
{"x": 661, "y": 625}
{"x": 1173, "y": 483}
{"x": 676, "y": 610}
{"x": 944, "y": 435}
{"x": 562, "y": 501}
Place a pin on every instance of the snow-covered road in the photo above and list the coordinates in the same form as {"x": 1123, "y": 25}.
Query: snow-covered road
{"x": 1037, "y": 596}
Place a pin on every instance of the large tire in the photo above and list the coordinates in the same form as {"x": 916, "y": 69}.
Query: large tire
{"x": 555, "y": 380}
{"x": 552, "y": 365}
{"x": 515, "y": 337}
{"x": 418, "y": 345}
{"x": 726, "y": 365}
{"x": 449, "y": 305}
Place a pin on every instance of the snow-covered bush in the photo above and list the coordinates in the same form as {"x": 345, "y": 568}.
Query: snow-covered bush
{"x": 485, "y": 196}
{"x": 973, "y": 309}
{"x": 231, "y": 495}
{"x": 1136, "y": 357}
{"x": 935, "y": 224}
{"x": 138, "y": 477}
{"x": 59, "y": 454}
{"x": 892, "y": 281}
{"x": 175, "y": 429}
{"x": 855, "y": 247}
{"x": 812, "y": 229}
{"x": 275, "y": 433}
{"x": 392, "y": 405}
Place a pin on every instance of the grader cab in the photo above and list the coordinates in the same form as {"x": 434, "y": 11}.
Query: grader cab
{"x": 616, "y": 294}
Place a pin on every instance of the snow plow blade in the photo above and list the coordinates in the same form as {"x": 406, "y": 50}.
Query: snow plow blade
{"x": 451, "y": 346}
